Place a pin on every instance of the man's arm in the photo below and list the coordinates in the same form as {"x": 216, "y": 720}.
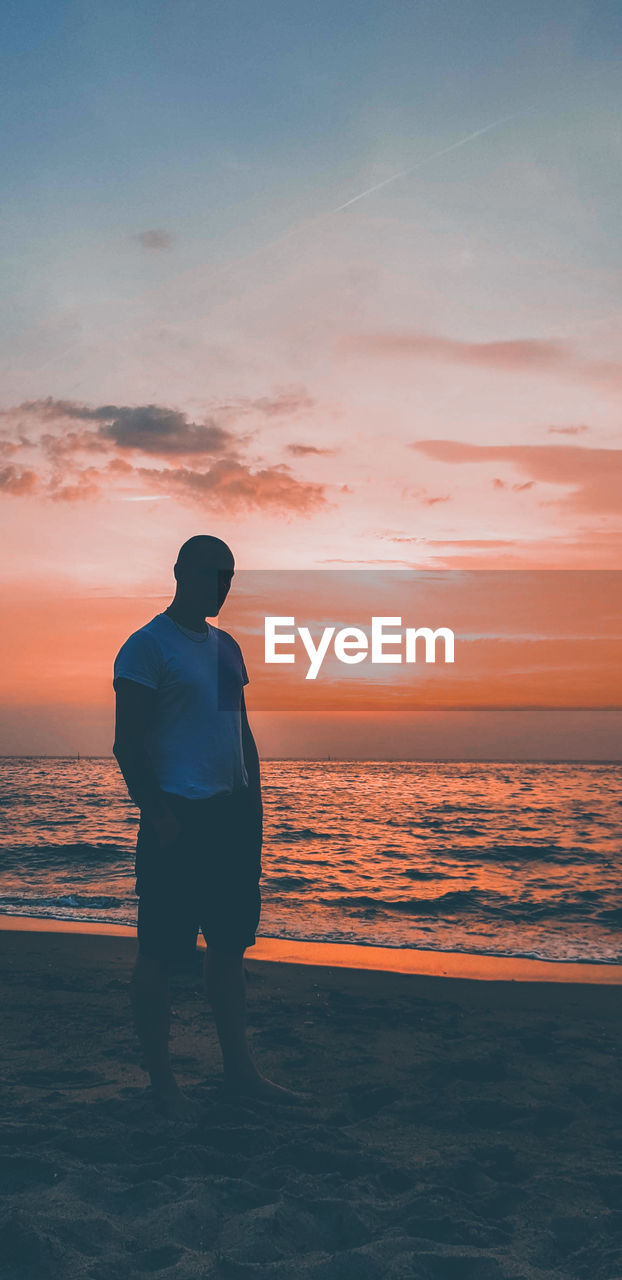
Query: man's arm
{"x": 135, "y": 709}
{"x": 251, "y": 761}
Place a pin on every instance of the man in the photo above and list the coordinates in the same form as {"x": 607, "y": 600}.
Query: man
{"x": 185, "y": 748}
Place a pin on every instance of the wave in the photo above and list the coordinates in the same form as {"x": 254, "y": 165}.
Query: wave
{"x": 611, "y": 916}
{"x": 500, "y": 853}
{"x": 465, "y": 900}
{"x": 288, "y": 882}
{"x": 72, "y": 900}
{"x": 297, "y": 833}
{"x": 482, "y": 904}
{"x": 533, "y": 852}
{"x": 412, "y": 873}
{"x": 50, "y": 854}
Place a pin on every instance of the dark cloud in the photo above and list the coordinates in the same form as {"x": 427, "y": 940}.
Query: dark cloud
{"x": 199, "y": 462}
{"x": 157, "y": 429}
{"x": 149, "y": 428}
{"x": 155, "y": 238}
{"x": 153, "y": 429}
{"x": 593, "y": 476}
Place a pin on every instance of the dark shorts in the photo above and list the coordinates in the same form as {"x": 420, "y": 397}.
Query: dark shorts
{"x": 208, "y": 880}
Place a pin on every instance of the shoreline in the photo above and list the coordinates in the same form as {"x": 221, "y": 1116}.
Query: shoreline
{"x": 328, "y": 955}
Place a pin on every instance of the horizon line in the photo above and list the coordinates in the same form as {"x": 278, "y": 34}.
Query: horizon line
{"x": 78, "y": 757}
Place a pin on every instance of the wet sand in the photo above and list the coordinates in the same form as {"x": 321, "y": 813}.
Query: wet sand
{"x": 459, "y": 1129}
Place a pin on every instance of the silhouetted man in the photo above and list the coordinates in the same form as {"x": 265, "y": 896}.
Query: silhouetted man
{"x": 186, "y": 751}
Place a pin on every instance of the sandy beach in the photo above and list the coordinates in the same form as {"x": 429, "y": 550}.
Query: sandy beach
{"x": 459, "y": 1129}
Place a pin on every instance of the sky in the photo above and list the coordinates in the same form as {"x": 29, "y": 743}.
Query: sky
{"x": 337, "y": 283}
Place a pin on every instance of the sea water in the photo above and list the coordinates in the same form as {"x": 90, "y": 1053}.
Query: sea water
{"x": 496, "y": 858}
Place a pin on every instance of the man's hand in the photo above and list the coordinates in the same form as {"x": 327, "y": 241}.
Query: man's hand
{"x": 134, "y": 720}
{"x": 250, "y": 818}
{"x": 252, "y": 802}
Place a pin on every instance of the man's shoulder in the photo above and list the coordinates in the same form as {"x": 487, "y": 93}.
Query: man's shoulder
{"x": 228, "y": 641}
{"x": 227, "y": 637}
{"x": 140, "y": 657}
{"x": 158, "y": 626}
{"x": 150, "y": 634}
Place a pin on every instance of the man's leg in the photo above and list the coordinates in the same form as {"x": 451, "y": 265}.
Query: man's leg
{"x": 152, "y": 1015}
{"x": 225, "y": 987}
{"x": 149, "y": 991}
{"x": 226, "y": 991}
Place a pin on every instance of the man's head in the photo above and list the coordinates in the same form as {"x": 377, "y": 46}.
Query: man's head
{"x": 203, "y": 571}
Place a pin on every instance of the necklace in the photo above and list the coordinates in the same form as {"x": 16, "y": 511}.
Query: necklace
{"x": 186, "y": 631}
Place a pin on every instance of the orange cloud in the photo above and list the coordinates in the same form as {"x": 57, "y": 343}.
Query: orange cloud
{"x": 85, "y": 484}
{"x": 155, "y": 432}
{"x": 516, "y": 488}
{"x": 594, "y": 476}
{"x": 568, "y": 431}
{"x": 8, "y": 447}
{"x": 233, "y": 486}
{"x": 424, "y": 498}
{"x": 18, "y": 481}
{"x": 303, "y": 450}
{"x": 523, "y": 355}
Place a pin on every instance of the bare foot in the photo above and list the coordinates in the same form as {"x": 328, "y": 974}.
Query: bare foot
{"x": 258, "y": 1086}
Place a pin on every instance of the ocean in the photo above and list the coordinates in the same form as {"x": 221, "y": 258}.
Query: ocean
{"x": 509, "y": 859}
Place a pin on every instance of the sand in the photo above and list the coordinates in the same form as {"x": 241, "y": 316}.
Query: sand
{"x": 460, "y": 1129}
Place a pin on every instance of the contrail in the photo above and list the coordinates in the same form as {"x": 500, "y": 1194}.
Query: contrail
{"x": 434, "y": 156}
{"x": 226, "y": 270}
{"x": 328, "y": 213}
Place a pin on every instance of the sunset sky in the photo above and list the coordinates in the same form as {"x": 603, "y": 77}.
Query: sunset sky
{"x": 261, "y": 281}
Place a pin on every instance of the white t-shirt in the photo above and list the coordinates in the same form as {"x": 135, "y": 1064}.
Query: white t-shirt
{"x": 196, "y": 743}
